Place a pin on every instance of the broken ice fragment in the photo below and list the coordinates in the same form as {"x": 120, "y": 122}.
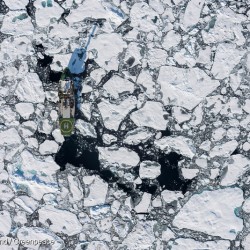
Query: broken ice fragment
{"x": 178, "y": 144}
{"x": 150, "y": 115}
{"x": 122, "y": 156}
{"x": 97, "y": 192}
{"x": 149, "y": 169}
{"x": 185, "y": 87}
{"x": 61, "y": 221}
{"x": 212, "y": 212}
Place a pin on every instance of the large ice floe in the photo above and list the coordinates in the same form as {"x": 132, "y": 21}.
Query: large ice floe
{"x": 159, "y": 157}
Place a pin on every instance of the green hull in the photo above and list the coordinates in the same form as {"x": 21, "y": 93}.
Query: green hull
{"x": 66, "y": 126}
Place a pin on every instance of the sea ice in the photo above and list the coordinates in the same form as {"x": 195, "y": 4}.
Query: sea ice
{"x": 149, "y": 169}
{"x": 185, "y": 87}
{"x": 213, "y": 213}
{"x": 150, "y": 115}
{"x": 113, "y": 114}
{"x": 122, "y": 156}
{"x": 97, "y": 192}
{"x": 59, "y": 221}
{"x": 178, "y": 144}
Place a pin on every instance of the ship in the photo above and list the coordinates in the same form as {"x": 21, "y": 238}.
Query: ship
{"x": 66, "y": 106}
{"x": 69, "y": 91}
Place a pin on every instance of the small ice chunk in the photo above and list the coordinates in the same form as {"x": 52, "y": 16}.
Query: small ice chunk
{"x": 117, "y": 85}
{"x": 6, "y": 192}
{"x": 29, "y": 234}
{"x": 189, "y": 173}
{"x": 25, "y": 109}
{"x": 201, "y": 162}
{"x": 48, "y": 147}
{"x": 178, "y": 144}
{"x": 223, "y": 150}
{"x": 226, "y": 58}
{"x": 75, "y": 188}
{"x": 235, "y": 167}
{"x": 180, "y": 115}
{"x": 59, "y": 221}
{"x": 167, "y": 235}
{"x": 5, "y": 222}
{"x": 185, "y": 87}
{"x": 172, "y": 39}
{"x": 122, "y": 156}
{"x": 186, "y": 243}
{"x": 192, "y": 13}
{"x": 144, "y": 204}
{"x": 149, "y": 169}
{"x": 9, "y": 137}
{"x": 108, "y": 47}
{"x": 113, "y": 114}
{"x": 27, "y": 203}
{"x": 12, "y": 22}
{"x": 85, "y": 128}
{"x": 58, "y": 135}
{"x": 144, "y": 18}
{"x": 137, "y": 136}
{"x": 246, "y": 146}
{"x": 97, "y": 192}
{"x": 30, "y": 89}
{"x": 206, "y": 145}
{"x": 216, "y": 208}
{"x": 45, "y": 11}
{"x": 170, "y": 196}
{"x": 246, "y": 205}
{"x": 108, "y": 139}
{"x": 150, "y": 115}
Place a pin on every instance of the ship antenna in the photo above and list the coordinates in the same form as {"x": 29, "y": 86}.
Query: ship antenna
{"x": 89, "y": 37}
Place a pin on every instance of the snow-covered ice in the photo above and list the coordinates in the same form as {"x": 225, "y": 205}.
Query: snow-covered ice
{"x": 212, "y": 212}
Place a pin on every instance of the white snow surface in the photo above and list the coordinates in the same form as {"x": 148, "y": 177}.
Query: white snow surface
{"x": 150, "y": 115}
{"x": 97, "y": 192}
{"x": 122, "y": 156}
{"x": 138, "y": 135}
{"x": 7, "y": 140}
{"x": 85, "y": 128}
{"x": 12, "y": 22}
{"x": 108, "y": 47}
{"x": 236, "y": 166}
{"x": 191, "y": 244}
{"x": 30, "y": 89}
{"x": 5, "y": 222}
{"x": 149, "y": 169}
{"x": 62, "y": 221}
{"x": 178, "y": 144}
{"x": 117, "y": 85}
{"x": 185, "y": 87}
{"x": 25, "y": 109}
{"x": 213, "y": 213}
{"x": 192, "y": 13}
{"x": 223, "y": 150}
{"x": 33, "y": 176}
{"x": 113, "y": 114}
{"x": 48, "y": 147}
{"x": 37, "y": 233}
{"x": 226, "y": 58}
